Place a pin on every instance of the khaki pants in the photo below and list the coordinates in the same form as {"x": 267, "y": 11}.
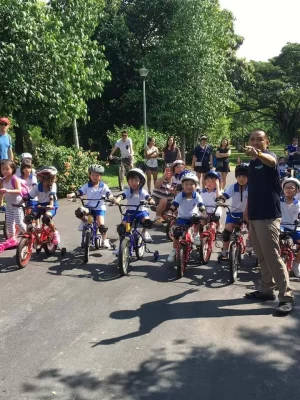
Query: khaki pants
{"x": 265, "y": 241}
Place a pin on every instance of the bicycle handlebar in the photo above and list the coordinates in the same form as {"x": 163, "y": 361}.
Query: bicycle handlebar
{"x": 83, "y": 201}
{"x": 123, "y": 206}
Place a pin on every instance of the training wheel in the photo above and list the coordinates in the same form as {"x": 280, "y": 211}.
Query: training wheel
{"x": 156, "y": 255}
{"x": 63, "y": 251}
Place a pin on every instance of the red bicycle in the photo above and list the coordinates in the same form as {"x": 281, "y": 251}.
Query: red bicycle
{"x": 208, "y": 231}
{"x": 35, "y": 237}
{"x": 287, "y": 245}
{"x": 185, "y": 244}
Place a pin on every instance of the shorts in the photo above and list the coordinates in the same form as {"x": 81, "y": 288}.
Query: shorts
{"x": 98, "y": 213}
{"x": 224, "y": 168}
{"x": 139, "y": 216}
{"x": 202, "y": 170}
{"x": 231, "y": 220}
{"x": 294, "y": 235}
{"x": 183, "y": 221}
{"x": 152, "y": 169}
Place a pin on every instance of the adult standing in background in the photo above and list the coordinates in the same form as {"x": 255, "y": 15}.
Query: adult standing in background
{"x": 126, "y": 149}
{"x": 292, "y": 150}
{"x": 222, "y": 155}
{"x": 5, "y": 140}
{"x": 171, "y": 152}
{"x": 151, "y": 163}
{"x": 264, "y": 215}
{"x": 202, "y": 158}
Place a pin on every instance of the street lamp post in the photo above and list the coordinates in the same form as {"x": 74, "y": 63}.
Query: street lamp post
{"x": 144, "y": 72}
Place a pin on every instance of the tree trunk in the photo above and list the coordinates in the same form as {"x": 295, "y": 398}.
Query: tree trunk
{"x": 19, "y": 142}
{"x": 182, "y": 145}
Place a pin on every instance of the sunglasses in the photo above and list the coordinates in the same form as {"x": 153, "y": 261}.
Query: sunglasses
{"x": 3, "y": 124}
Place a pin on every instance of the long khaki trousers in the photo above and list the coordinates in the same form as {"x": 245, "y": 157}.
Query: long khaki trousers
{"x": 265, "y": 240}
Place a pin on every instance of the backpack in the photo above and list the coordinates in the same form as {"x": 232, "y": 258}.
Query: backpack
{"x": 24, "y": 187}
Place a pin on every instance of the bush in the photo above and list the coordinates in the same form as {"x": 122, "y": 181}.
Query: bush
{"x": 138, "y": 139}
{"x": 72, "y": 165}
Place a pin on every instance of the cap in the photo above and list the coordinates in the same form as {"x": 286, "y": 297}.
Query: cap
{"x": 203, "y": 137}
{"x": 5, "y": 120}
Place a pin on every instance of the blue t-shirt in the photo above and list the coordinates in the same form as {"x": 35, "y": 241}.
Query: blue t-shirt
{"x": 203, "y": 154}
{"x": 5, "y": 145}
{"x": 291, "y": 149}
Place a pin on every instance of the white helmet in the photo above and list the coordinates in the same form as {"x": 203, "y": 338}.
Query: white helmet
{"x": 46, "y": 170}
{"x": 291, "y": 180}
{"x": 190, "y": 176}
{"x": 26, "y": 155}
{"x": 139, "y": 173}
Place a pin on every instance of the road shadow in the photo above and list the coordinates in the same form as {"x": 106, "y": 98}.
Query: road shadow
{"x": 8, "y": 264}
{"x": 154, "y": 313}
{"x": 73, "y": 266}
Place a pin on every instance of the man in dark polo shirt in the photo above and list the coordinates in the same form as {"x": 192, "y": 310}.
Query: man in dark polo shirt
{"x": 263, "y": 213}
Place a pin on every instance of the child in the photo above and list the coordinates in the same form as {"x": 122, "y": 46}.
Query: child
{"x": 25, "y": 157}
{"x": 12, "y": 192}
{"x": 135, "y": 194}
{"x": 46, "y": 193}
{"x": 163, "y": 195}
{"x": 187, "y": 202}
{"x": 94, "y": 189}
{"x": 238, "y": 192}
{"x": 210, "y": 192}
{"x": 26, "y": 173}
{"x": 282, "y": 167}
{"x": 290, "y": 209}
{"x": 177, "y": 170}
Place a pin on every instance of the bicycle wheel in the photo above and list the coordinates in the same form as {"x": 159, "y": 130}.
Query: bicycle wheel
{"x": 24, "y": 252}
{"x": 139, "y": 247}
{"x": 181, "y": 259}
{"x": 170, "y": 228}
{"x": 234, "y": 261}
{"x": 124, "y": 256}
{"x": 87, "y": 239}
{"x": 206, "y": 249}
{"x": 121, "y": 177}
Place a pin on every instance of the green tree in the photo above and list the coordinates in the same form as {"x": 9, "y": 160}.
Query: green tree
{"x": 49, "y": 65}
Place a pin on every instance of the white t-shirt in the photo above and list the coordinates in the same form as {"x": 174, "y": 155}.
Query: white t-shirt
{"x": 187, "y": 207}
{"x": 95, "y": 193}
{"x": 209, "y": 200}
{"x": 43, "y": 197}
{"x": 124, "y": 147}
{"x": 151, "y": 162}
{"x": 10, "y": 198}
{"x": 238, "y": 199}
{"x": 133, "y": 198}
{"x": 289, "y": 212}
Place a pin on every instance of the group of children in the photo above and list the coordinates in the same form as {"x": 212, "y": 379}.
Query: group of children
{"x": 187, "y": 200}
{"x": 38, "y": 188}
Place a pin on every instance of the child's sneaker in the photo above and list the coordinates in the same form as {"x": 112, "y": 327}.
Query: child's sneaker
{"x": 116, "y": 251}
{"x": 147, "y": 237}
{"x": 106, "y": 243}
{"x": 158, "y": 221}
{"x": 197, "y": 240}
{"x": 81, "y": 226}
{"x": 224, "y": 255}
{"x": 249, "y": 247}
{"x": 296, "y": 269}
{"x": 56, "y": 237}
{"x": 172, "y": 255}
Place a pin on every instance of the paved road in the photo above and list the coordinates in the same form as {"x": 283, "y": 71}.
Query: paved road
{"x": 73, "y": 331}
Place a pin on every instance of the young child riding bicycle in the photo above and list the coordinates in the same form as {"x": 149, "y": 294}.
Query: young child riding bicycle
{"x": 188, "y": 203}
{"x": 209, "y": 194}
{"x": 290, "y": 210}
{"x": 10, "y": 188}
{"x": 238, "y": 193}
{"x": 94, "y": 190}
{"x": 46, "y": 193}
{"x": 134, "y": 195}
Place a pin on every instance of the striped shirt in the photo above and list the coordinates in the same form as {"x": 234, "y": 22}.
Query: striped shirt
{"x": 166, "y": 190}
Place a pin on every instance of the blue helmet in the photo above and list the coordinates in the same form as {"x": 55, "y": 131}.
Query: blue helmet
{"x": 212, "y": 174}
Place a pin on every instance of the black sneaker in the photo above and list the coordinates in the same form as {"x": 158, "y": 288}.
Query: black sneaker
{"x": 256, "y": 295}
{"x": 285, "y": 307}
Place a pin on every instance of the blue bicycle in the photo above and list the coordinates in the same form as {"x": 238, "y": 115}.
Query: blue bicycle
{"x": 91, "y": 236}
{"x": 131, "y": 239}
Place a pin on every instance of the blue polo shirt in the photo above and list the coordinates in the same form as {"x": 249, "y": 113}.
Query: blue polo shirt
{"x": 263, "y": 190}
{"x": 5, "y": 145}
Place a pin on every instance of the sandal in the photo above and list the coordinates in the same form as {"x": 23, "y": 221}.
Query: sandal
{"x": 256, "y": 295}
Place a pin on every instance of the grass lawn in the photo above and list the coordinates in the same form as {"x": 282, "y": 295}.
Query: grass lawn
{"x": 111, "y": 176}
